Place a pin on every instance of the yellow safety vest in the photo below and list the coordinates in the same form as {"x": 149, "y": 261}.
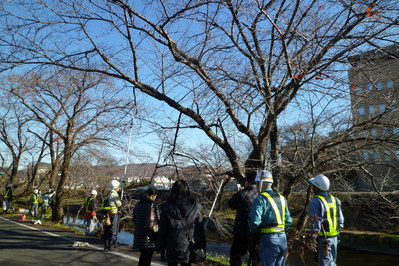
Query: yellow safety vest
{"x": 35, "y": 198}
{"x": 280, "y": 214}
{"x": 6, "y": 192}
{"x": 331, "y": 215}
{"x": 105, "y": 203}
{"x": 87, "y": 204}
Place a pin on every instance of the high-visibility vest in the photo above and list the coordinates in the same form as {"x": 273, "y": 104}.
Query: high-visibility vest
{"x": 331, "y": 215}
{"x": 87, "y": 204}
{"x": 279, "y": 212}
{"x": 46, "y": 199}
{"x": 35, "y": 198}
{"x": 105, "y": 204}
{"x": 6, "y": 192}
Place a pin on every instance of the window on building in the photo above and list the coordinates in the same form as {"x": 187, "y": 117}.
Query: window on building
{"x": 376, "y": 156}
{"x": 395, "y": 130}
{"x": 397, "y": 154}
{"x": 363, "y": 134}
{"x": 368, "y": 86}
{"x": 365, "y": 155}
{"x": 359, "y": 89}
{"x": 389, "y": 84}
{"x": 379, "y": 86}
{"x": 373, "y": 132}
{"x": 371, "y": 109}
{"x": 361, "y": 110}
{"x": 381, "y": 107}
{"x": 386, "y": 131}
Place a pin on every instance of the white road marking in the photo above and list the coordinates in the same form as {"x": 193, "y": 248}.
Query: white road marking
{"x": 71, "y": 240}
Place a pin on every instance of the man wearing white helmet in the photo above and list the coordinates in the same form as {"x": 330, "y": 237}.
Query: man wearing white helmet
{"x": 47, "y": 198}
{"x": 326, "y": 219}
{"x": 271, "y": 218}
{"x": 34, "y": 203}
{"x": 90, "y": 208}
{"x": 109, "y": 206}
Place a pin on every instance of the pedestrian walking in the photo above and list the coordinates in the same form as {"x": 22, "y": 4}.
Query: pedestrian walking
{"x": 326, "y": 219}
{"x": 271, "y": 218}
{"x": 109, "y": 207}
{"x": 180, "y": 226}
{"x": 243, "y": 240}
{"x": 34, "y": 203}
{"x": 146, "y": 218}
{"x": 90, "y": 207}
{"x": 47, "y": 198}
{"x": 7, "y": 198}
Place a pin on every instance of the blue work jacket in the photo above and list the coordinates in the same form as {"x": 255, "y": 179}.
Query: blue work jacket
{"x": 262, "y": 214}
{"x": 317, "y": 213}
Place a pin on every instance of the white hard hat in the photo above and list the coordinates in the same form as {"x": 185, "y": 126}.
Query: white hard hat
{"x": 264, "y": 176}
{"x": 114, "y": 184}
{"x": 93, "y": 192}
{"x": 320, "y": 181}
{"x": 35, "y": 191}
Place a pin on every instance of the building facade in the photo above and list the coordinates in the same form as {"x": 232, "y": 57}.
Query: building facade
{"x": 374, "y": 79}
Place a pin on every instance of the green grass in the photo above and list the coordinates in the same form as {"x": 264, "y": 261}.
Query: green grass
{"x": 217, "y": 259}
{"x": 63, "y": 227}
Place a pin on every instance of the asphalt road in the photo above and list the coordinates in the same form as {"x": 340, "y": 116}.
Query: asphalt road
{"x": 28, "y": 244}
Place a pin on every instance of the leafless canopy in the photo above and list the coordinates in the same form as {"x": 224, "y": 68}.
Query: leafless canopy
{"x": 219, "y": 63}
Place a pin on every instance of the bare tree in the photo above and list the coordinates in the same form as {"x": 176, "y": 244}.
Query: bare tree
{"x": 228, "y": 68}
{"x": 13, "y": 125}
{"x": 77, "y": 109}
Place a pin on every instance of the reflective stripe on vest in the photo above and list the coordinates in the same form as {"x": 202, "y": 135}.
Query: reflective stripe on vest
{"x": 87, "y": 204}
{"x": 35, "y": 198}
{"x": 279, "y": 217}
{"x": 332, "y": 221}
{"x": 105, "y": 200}
{"x": 6, "y": 192}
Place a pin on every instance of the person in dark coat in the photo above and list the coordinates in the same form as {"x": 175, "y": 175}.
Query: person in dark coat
{"x": 173, "y": 236}
{"x": 242, "y": 202}
{"x": 146, "y": 217}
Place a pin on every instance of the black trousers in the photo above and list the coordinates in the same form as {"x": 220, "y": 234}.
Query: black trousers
{"x": 145, "y": 256}
{"x": 111, "y": 232}
{"x": 182, "y": 264}
{"x": 240, "y": 246}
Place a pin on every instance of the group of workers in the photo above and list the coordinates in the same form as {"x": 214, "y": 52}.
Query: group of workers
{"x": 173, "y": 232}
{"x": 261, "y": 222}
{"x": 34, "y": 201}
{"x": 263, "y": 218}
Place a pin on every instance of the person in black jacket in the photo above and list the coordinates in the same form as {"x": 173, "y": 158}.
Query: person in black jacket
{"x": 146, "y": 217}
{"x": 173, "y": 237}
{"x": 242, "y": 202}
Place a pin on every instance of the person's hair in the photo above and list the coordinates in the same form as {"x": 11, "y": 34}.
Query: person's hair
{"x": 250, "y": 176}
{"x": 180, "y": 189}
{"x": 151, "y": 191}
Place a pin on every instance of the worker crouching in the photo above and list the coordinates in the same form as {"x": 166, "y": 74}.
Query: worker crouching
{"x": 109, "y": 208}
